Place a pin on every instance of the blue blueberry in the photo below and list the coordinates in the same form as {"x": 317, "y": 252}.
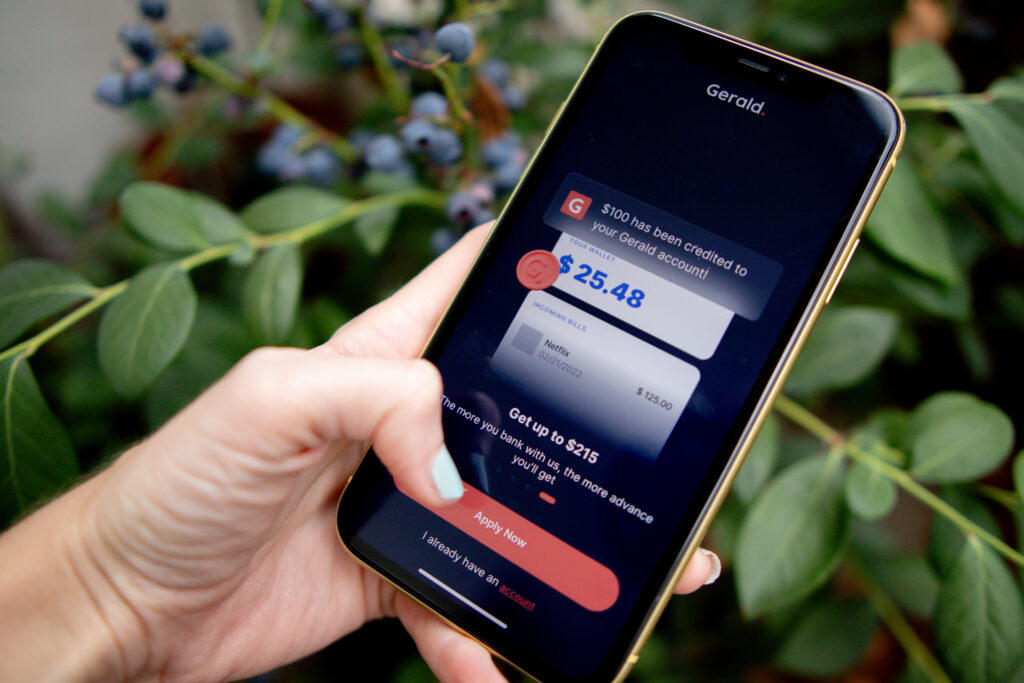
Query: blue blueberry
{"x": 483, "y": 190}
{"x": 418, "y": 135}
{"x": 384, "y": 153}
{"x": 112, "y": 90}
{"x": 286, "y": 135}
{"x": 271, "y": 158}
{"x": 320, "y": 8}
{"x": 321, "y": 166}
{"x": 336, "y": 21}
{"x": 496, "y": 71}
{"x": 445, "y": 147}
{"x": 212, "y": 40}
{"x": 140, "y": 84}
{"x": 188, "y": 81}
{"x": 466, "y": 210}
{"x": 361, "y": 138}
{"x": 292, "y": 169}
{"x": 515, "y": 98}
{"x": 429, "y": 104}
{"x": 499, "y": 150}
{"x": 169, "y": 70}
{"x": 455, "y": 39}
{"x": 153, "y": 9}
{"x": 140, "y": 39}
{"x": 349, "y": 54}
{"x": 442, "y": 239}
{"x": 506, "y": 176}
{"x": 235, "y": 107}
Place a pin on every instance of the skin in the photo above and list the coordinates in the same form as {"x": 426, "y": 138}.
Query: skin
{"x": 209, "y": 550}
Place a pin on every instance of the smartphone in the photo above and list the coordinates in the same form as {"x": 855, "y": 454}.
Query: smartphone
{"x": 612, "y": 353}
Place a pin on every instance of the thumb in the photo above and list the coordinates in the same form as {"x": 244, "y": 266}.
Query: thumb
{"x": 286, "y": 406}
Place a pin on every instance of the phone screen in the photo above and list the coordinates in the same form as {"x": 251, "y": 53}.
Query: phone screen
{"x": 608, "y": 352}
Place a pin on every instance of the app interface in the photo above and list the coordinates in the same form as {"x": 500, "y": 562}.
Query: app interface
{"x": 601, "y": 368}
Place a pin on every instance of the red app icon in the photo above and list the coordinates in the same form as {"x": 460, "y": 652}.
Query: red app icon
{"x": 576, "y": 205}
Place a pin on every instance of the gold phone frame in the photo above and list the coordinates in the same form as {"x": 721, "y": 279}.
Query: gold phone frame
{"x": 818, "y": 302}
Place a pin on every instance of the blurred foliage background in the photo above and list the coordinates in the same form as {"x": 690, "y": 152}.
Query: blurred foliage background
{"x": 283, "y": 184}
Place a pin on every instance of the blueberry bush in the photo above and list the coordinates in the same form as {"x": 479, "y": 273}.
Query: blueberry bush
{"x": 287, "y": 182}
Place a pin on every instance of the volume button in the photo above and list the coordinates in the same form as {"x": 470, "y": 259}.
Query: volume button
{"x": 842, "y": 271}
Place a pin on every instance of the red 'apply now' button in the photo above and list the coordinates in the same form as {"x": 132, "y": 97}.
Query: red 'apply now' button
{"x": 561, "y": 566}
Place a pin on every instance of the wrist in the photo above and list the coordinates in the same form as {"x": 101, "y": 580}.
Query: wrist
{"x": 64, "y": 619}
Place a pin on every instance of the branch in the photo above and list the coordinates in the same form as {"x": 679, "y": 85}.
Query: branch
{"x": 279, "y": 109}
{"x": 303, "y": 233}
{"x": 269, "y": 24}
{"x": 378, "y": 52}
{"x": 818, "y": 427}
{"x": 900, "y": 627}
{"x": 939, "y": 103}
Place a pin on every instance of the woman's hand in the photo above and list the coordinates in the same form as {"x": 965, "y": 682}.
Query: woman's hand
{"x": 209, "y": 550}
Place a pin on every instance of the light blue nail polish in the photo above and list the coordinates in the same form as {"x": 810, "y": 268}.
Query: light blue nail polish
{"x": 445, "y": 475}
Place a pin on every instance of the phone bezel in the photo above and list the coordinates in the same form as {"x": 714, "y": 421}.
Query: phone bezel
{"x": 802, "y": 78}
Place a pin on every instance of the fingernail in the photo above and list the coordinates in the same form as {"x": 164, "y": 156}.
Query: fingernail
{"x": 716, "y": 566}
{"x": 445, "y": 475}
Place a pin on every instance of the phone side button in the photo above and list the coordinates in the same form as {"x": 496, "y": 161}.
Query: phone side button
{"x": 842, "y": 271}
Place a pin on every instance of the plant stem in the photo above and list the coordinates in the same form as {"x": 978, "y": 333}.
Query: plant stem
{"x": 209, "y": 254}
{"x": 99, "y": 299}
{"x": 378, "y": 52}
{"x": 818, "y": 427}
{"x": 1007, "y": 499}
{"x": 458, "y": 108}
{"x": 354, "y": 210}
{"x": 269, "y": 24}
{"x": 279, "y": 109}
{"x": 900, "y": 628}
{"x": 939, "y": 103}
{"x": 298, "y": 235}
{"x": 476, "y": 9}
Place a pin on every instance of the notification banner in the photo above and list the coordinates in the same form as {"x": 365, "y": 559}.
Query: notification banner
{"x": 699, "y": 261}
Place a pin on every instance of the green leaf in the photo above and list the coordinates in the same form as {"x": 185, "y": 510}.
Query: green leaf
{"x": 1011, "y": 89}
{"x": 999, "y": 141}
{"x": 145, "y": 327}
{"x": 828, "y": 638}
{"x": 164, "y": 216}
{"x": 945, "y": 540}
{"x": 979, "y": 617}
{"x": 869, "y": 494}
{"x": 34, "y": 289}
{"x": 374, "y": 229}
{"x": 36, "y": 458}
{"x": 760, "y": 462}
{"x": 1018, "y": 676}
{"x": 217, "y": 223}
{"x": 1018, "y": 476}
{"x": 847, "y": 344}
{"x": 271, "y": 293}
{"x": 290, "y": 208}
{"x": 957, "y": 437}
{"x": 376, "y": 182}
{"x": 923, "y": 68}
{"x": 908, "y": 579}
{"x": 217, "y": 341}
{"x": 906, "y": 226}
{"x": 792, "y": 538}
